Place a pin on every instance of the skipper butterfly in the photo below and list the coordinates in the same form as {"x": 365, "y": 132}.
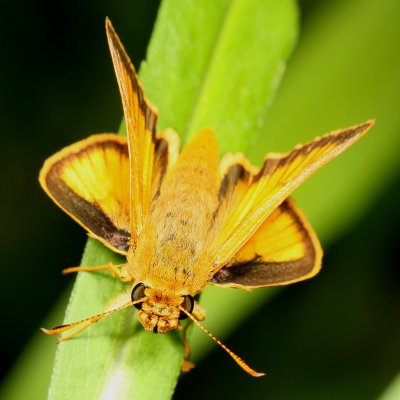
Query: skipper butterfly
{"x": 186, "y": 219}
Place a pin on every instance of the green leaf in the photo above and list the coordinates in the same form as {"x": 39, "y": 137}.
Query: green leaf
{"x": 393, "y": 391}
{"x": 226, "y": 66}
{"x": 193, "y": 75}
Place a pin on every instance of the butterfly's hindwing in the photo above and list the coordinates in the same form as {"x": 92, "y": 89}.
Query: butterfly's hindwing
{"x": 284, "y": 250}
{"x": 89, "y": 180}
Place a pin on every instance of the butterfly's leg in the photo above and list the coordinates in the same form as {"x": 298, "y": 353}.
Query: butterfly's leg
{"x": 199, "y": 313}
{"x": 187, "y": 365}
{"x": 116, "y": 270}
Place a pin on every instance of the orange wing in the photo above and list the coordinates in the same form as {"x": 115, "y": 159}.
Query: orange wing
{"x": 244, "y": 209}
{"x": 89, "y": 180}
{"x": 283, "y": 250}
{"x": 140, "y": 118}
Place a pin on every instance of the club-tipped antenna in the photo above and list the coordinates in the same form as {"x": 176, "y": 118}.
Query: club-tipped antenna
{"x": 242, "y": 364}
{"x": 86, "y": 322}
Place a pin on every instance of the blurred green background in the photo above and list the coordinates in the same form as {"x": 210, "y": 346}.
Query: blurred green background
{"x": 334, "y": 337}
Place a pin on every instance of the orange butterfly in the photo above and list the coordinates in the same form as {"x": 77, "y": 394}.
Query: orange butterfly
{"x": 185, "y": 220}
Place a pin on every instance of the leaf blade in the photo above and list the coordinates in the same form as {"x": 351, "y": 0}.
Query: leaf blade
{"x": 158, "y": 356}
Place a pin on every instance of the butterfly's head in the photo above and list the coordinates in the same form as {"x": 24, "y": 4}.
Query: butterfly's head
{"x": 160, "y": 311}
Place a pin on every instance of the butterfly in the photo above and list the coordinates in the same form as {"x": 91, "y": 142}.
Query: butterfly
{"x": 185, "y": 219}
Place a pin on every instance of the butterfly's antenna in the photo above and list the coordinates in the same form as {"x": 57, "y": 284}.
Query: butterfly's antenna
{"x": 87, "y": 321}
{"x": 242, "y": 364}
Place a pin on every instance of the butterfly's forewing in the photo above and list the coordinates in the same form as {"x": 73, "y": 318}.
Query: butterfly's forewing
{"x": 140, "y": 118}
{"x": 279, "y": 176}
{"x": 89, "y": 180}
{"x": 106, "y": 182}
{"x": 283, "y": 250}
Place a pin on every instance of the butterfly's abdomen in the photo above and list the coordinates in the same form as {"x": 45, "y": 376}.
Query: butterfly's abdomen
{"x": 183, "y": 213}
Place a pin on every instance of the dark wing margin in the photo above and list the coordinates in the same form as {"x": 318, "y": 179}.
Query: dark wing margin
{"x": 140, "y": 117}
{"x": 89, "y": 180}
{"x": 284, "y": 250}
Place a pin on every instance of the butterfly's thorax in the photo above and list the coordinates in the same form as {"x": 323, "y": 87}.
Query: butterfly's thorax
{"x": 180, "y": 223}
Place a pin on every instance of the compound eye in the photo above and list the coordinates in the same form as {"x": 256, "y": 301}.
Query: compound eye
{"x": 137, "y": 294}
{"x": 187, "y": 304}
